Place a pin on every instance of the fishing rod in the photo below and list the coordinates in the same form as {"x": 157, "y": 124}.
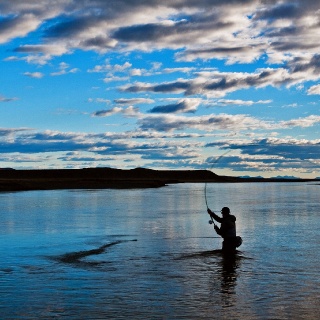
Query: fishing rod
{"x": 212, "y": 221}
{"x": 205, "y": 185}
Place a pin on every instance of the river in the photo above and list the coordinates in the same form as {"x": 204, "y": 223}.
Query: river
{"x": 151, "y": 254}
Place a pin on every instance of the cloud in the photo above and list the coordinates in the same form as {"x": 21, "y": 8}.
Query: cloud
{"x": 270, "y": 155}
{"x": 280, "y": 147}
{"x": 45, "y": 49}
{"x": 279, "y": 11}
{"x": 13, "y": 26}
{"x": 99, "y": 100}
{"x": 85, "y": 147}
{"x": 186, "y": 105}
{"x": 301, "y": 122}
{"x": 170, "y": 122}
{"x": 36, "y": 75}
{"x": 133, "y": 101}
{"x": 4, "y": 99}
{"x": 79, "y": 157}
{"x": 9, "y": 132}
{"x": 206, "y": 123}
{"x": 314, "y": 90}
{"x": 183, "y": 70}
{"x": 229, "y": 52}
{"x": 178, "y": 86}
{"x": 111, "y": 68}
{"x": 242, "y": 102}
{"x": 129, "y": 111}
{"x": 64, "y": 68}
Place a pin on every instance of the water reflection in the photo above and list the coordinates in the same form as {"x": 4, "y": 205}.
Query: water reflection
{"x": 229, "y": 272}
{"x": 223, "y": 270}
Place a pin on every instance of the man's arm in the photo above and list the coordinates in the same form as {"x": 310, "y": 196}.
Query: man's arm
{"x": 218, "y": 231}
{"x": 214, "y": 216}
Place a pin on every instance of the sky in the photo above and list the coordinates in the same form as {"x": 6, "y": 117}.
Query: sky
{"x": 229, "y": 86}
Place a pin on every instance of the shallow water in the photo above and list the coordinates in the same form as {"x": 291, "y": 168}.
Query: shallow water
{"x": 151, "y": 254}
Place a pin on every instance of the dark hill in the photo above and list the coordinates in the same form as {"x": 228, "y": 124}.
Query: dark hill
{"x": 96, "y": 178}
{"x": 100, "y": 178}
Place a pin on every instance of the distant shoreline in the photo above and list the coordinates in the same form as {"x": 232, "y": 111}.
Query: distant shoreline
{"x": 109, "y": 178}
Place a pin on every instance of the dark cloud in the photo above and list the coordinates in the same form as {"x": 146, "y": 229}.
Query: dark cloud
{"x": 182, "y": 106}
{"x": 224, "y": 50}
{"x": 289, "y": 46}
{"x": 38, "y": 147}
{"x": 279, "y": 11}
{"x": 98, "y": 42}
{"x": 29, "y": 49}
{"x": 157, "y": 31}
{"x": 4, "y": 132}
{"x": 303, "y": 65}
{"x": 7, "y": 23}
{"x": 142, "y": 33}
{"x": 283, "y": 32}
{"x": 269, "y": 155}
{"x": 286, "y": 148}
{"x": 71, "y": 26}
{"x": 169, "y": 87}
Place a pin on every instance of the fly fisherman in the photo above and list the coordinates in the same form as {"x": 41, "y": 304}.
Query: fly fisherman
{"x": 227, "y": 230}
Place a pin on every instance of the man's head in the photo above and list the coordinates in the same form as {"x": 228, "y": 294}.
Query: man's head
{"x": 225, "y": 211}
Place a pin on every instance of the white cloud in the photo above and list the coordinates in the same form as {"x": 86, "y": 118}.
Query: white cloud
{"x": 301, "y": 122}
{"x": 242, "y": 102}
{"x": 64, "y": 68}
{"x": 5, "y": 99}
{"x": 129, "y": 111}
{"x": 37, "y": 75}
{"x": 314, "y": 90}
{"x": 18, "y": 26}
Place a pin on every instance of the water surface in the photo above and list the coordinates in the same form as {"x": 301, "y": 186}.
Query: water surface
{"x": 151, "y": 254}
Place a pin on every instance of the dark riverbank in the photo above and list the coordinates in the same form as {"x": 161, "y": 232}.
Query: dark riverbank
{"x": 103, "y": 178}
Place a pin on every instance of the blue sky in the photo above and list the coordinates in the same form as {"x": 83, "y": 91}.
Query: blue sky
{"x": 162, "y": 85}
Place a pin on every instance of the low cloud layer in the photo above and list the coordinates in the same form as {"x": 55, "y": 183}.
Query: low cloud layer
{"x": 175, "y": 150}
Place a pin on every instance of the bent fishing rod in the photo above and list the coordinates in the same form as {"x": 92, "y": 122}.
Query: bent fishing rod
{"x": 205, "y": 186}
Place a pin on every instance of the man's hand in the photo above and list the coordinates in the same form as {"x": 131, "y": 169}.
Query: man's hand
{"x": 209, "y": 211}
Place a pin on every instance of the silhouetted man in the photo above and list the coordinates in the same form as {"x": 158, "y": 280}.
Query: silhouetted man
{"x": 227, "y": 230}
